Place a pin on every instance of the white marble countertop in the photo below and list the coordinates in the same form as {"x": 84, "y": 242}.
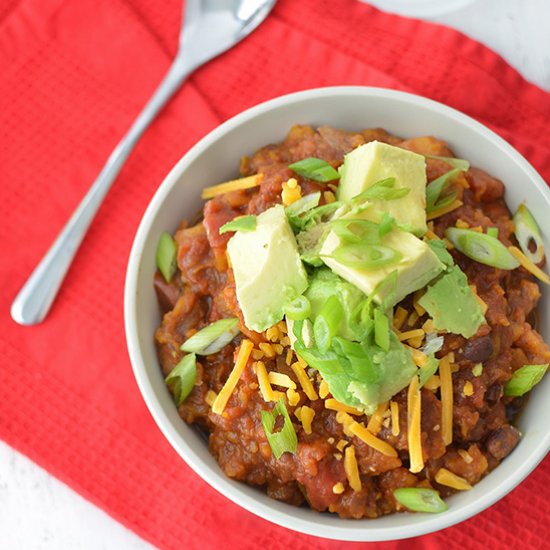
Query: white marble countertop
{"x": 39, "y": 512}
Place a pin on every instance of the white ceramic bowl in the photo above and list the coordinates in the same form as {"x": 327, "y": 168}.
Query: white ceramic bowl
{"x": 216, "y": 158}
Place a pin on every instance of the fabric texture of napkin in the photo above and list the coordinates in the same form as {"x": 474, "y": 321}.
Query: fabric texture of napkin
{"x": 74, "y": 74}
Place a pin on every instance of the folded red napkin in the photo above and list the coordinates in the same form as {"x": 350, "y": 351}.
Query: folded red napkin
{"x": 74, "y": 75}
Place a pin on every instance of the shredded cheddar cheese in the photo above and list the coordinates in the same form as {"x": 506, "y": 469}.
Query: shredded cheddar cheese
{"x": 419, "y": 358}
{"x": 371, "y": 440}
{"x": 338, "y": 488}
{"x": 301, "y": 361}
{"x": 329, "y": 197}
{"x": 293, "y": 397}
{"x": 268, "y": 350}
{"x": 468, "y": 389}
{"x": 225, "y": 393}
{"x": 341, "y": 444}
{"x": 375, "y": 421}
{"x": 413, "y": 317}
{"x": 288, "y": 358}
{"x": 395, "y": 429}
{"x": 257, "y": 354}
{"x": 462, "y": 224}
{"x": 346, "y": 420}
{"x": 403, "y": 336}
{"x": 352, "y": 469}
{"x": 446, "y": 400}
{"x": 291, "y": 191}
{"x": 399, "y": 317}
{"x": 445, "y": 210}
{"x": 466, "y": 456}
{"x": 233, "y": 185}
{"x": 306, "y": 418}
{"x": 428, "y": 327}
{"x": 323, "y": 389}
{"x": 263, "y": 380}
{"x": 283, "y": 380}
{"x": 210, "y": 397}
{"x": 433, "y": 383}
{"x": 527, "y": 264}
{"x": 447, "y": 478}
{"x": 334, "y": 405}
{"x": 414, "y": 433}
{"x": 416, "y": 342}
{"x": 305, "y": 382}
{"x": 273, "y": 334}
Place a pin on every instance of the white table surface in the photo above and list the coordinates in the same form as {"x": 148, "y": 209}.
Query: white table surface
{"x": 39, "y": 512}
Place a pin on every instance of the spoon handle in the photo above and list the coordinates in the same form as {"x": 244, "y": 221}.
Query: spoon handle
{"x": 34, "y": 300}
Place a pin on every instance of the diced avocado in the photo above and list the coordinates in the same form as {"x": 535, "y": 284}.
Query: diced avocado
{"x": 267, "y": 268}
{"x": 360, "y": 375}
{"x": 310, "y": 242}
{"x": 394, "y": 369}
{"x": 417, "y": 266}
{"x": 322, "y": 285}
{"x": 452, "y": 304}
{"x": 376, "y": 161}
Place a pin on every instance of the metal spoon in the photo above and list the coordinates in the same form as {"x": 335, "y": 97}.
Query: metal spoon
{"x": 210, "y": 27}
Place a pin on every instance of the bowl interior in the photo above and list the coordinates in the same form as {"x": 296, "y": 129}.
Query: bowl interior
{"x": 215, "y": 159}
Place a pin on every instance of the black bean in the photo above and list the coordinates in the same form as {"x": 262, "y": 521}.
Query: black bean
{"x": 478, "y": 350}
{"x": 502, "y": 441}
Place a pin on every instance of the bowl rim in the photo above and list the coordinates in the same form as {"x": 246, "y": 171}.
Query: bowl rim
{"x": 349, "y": 530}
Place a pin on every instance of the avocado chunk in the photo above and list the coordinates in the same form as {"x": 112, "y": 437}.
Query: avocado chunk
{"x": 417, "y": 266}
{"x": 452, "y": 304}
{"x": 267, "y": 268}
{"x": 376, "y": 161}
{"x": 393, "y": 372}
{"x": 323, "y": 284}
{"x": 361, "y": 375}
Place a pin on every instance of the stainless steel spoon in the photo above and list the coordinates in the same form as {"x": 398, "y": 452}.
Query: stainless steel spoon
{"x": 209, "y": 28}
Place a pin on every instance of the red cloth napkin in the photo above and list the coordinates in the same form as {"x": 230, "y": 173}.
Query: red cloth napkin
{"x": 73, "y": 76}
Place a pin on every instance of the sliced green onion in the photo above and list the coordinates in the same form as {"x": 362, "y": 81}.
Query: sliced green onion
{"x": 381, "y": 329}
{"x": 285, "y": 440}
{"x": 303, "y": 205}
{"x": 297, "y": 330}
{"x": 435, "y": 189}
{"x": 318, "y": 213}
{"x": 361, "y": 319}
{"x": 326, "y": 324}
{"x": 428, "y": 370}
{"x": 524, "y": 379}
{"x": 433, "y": 344}
{"x": 461, "y": 164}
{"x": 356, "y": 230}
{"x": 315, "y": 169}
{"x": 182, "y": 378}
{"x": 528, "y": 234}
{"x": 241, "y": 223}
{"x": 212, "y": 338}
{"x": 299, "y": 309}
{"x": 370, "y": 256}
{"x": 481, "y": 247}
{"x": 166, "y": 256}
{"x": 381, "y": 190}
{"x": 418, "y": 499}
{"x": 492, "y": 232}
{"x": 386, "y": 225}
